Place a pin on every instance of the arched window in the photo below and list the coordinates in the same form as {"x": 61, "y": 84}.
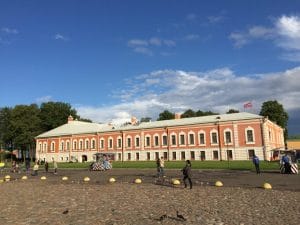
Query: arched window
{"x": 228, "y": 136}
{"x": 45, "y": 147}
{"x": 87, "y": 144}
{"x": 181, "y": 138}
{"x": 80, "y": 144}
{"x": 62, "y": 145}
{"x": 214, "y": 137}
{"x": 110, "y": 142}
{"x": 93, "y": 143}
{"x": 249, "y": 134}
{"x": 101, "y": 143}
{"x": 147, "y": 140}
{"x": 191, "y": 138}
{"x": 52, "y": 148}
{"x": 74, "y": 144}
{"x": 156, "y": 140}
{"x": 201, "y": 137}
{"x": 68, "y": 145}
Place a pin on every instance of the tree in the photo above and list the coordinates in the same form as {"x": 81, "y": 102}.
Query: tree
{"x": 25, "y": 126}
{"x": 276, "y": 113}
{"x": 54, "y": 114}
{"x": 166, "y": 115}
{"x": 230, "y": 111}
{"x": 188, "y": 113}
{"x": 6, "y": 134}
{"x": 205, "y": 113}
{"x": 145, "y": 119}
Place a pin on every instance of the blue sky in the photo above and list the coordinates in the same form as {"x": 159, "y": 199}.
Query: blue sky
{"x": 116, "y": 59}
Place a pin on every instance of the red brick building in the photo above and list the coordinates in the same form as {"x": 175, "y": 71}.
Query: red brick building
{"x": 219, "y": 137}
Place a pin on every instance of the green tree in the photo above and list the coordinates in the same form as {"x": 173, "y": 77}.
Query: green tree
{"x": 25, "y": 126}
{"x": 145, "y": 119}
{"x": 230, "y": 111}
{"x": 276, "y": 113}
{"x": 166, "y": 115}
{"x": 6, "y": 135}
{"x": 205, "y": 113}
{"x": 188, "y": 113}
{"x": 54, "y": 114}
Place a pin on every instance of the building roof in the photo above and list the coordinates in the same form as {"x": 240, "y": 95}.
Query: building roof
{"x": 79, "y": 127}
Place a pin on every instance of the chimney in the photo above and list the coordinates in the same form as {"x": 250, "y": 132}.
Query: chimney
{"x": 133, "y": 120}
{"x": 177, "y": 116}
{"x": 70, "y": 119}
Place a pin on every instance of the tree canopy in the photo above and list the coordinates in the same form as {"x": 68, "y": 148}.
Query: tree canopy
{"x": 276, "y": 113}
{"x": 21, "y": 124}
{"x": 230, "y": 111}
{"x": 166, "y": 115}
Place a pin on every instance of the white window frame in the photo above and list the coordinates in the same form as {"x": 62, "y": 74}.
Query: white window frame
{"x": 184, "y": 138}
{"x": 253, "y": 135}
{"x": 154, "y": 144}
{"x": 52, "y": 146}
{"x": 189, "y": 138}
{"x": 231, "y": 136}
{"x": 199, "y": 139}
{"x": 135, "y": 142}
{"x": 211, "y": 137}
{"x": 148, "y": 136}
{"x": 176, "y": 141}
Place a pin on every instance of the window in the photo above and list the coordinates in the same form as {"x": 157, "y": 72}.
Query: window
{"x": 110, "y": 143}
{"x": 182, "y": 139}
{"x": 165, "y": 155}
{"x": 192, "y": 155}
{"x": 74, "y": 145}
{"x": 87, "y": 144}
{"x": 156, "y": 155}
{"x": 156, "y": 143}
{"x": 214, "y": 138}
{"x": 129, "y": 156}
{"x": 173, "y": 139}
{"x": 137, "y": 156}
{"x": 45, "y": 147}
{"x": 62, "y": 145}
{"x": 137, "y": 141}
{"x": 174, "y": 155}
{"x": 229, "y": 154}
{"x": 201, "y": 139}
{"x": 215, "y": 155}
{"x": 165, "y": 140}
{"x": 40, "y": 147}
{"x": 251, "y": 153}
{"x": 202, "y": 155}
{"x": 68, "y": 145}
{"x": 93, "y": 144}
{"x": 119, "y": 156}
{"x": 148, "y": 141}
{"x": 148, "y": 155}
{"x": 102, "y": 143}
{"x": 227, "y": 137}
{"x": 250, "y": 136}
{"x": 52, "y": 146}
{"x": 80, "y": 144}
{"x": 182, "y": 155}
{"x": 191, "y": 139}
{"x": 128, "y": 142}
{"x": 119, "y": 143}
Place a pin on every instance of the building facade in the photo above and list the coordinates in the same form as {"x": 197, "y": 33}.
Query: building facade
{"x": 235, "y": 136}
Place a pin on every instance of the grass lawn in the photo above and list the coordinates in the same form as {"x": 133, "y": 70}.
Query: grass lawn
{"x": 232, "y": 165}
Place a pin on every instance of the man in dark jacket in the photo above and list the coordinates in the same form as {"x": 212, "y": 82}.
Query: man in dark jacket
{"x": 255, "y": 160}
{"x": 187, "y": 174}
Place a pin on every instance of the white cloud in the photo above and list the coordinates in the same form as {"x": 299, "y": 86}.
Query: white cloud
{"x": 285, "y": 33}
{"x": 191, "y": 37}
{"x": 143, "y": 50}
{"x": 215, "y": 19}
{"x": 42, "y": 99}
{"x": 216, "y": 90}
{"x": 147, "y": 47}
{"x": 9, "y": 30}
{"x": 61, "y": 37}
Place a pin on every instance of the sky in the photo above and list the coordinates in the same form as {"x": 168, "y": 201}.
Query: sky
{"x": 114, "y": 59}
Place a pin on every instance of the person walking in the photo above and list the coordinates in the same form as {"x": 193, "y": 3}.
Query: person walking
{"x": 287, "y": 165}
{"x": 255, "y": 161}
{"x": 162, "y": 166}
{"x": 158, "y": 167}
{"x": 187, "y": 174}
{"x": 46, "y": 167}
{"x": 35, "y": 169}
{"x": 55, "y": 166}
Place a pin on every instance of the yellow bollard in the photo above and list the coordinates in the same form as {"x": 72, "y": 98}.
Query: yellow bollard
{"x": 86, "y": 179}
{"x": 112, "y": 180}
{"x": 175, "y": 182}
{"x": 267, "y": 186}
{"x": 43, "y": 178}
{"x": 7, "y": 178}
{"x": 24, "y": 178}
{"x": 138, "y": 181}
{"x": 64, "y": 178}
{"x": 219, "y": 184}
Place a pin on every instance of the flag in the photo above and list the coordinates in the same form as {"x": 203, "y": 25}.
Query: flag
{"x": 248, "y": 105}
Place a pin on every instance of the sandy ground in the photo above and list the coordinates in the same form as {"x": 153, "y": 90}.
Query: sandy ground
{"x": 72, "y": 202}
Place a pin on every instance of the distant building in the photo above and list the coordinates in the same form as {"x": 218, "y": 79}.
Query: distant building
{"x": 293, "y": 144}
{"x": 236, "y": 136}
